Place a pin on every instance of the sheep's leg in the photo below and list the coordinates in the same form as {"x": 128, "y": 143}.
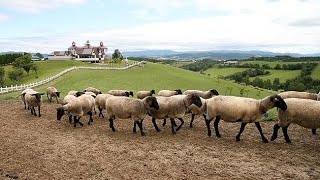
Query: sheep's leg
{"x": 182, "y": 122}
{"x": 100, "y": 112}
{"x": 57, "y": 100}
{"x": 243, "y": 125}
{"x": 314, "y": 131}
{"x": 192, "y": 118}
{"x": 74, "y": 121}
{"x": 39, "y": 111}
{"x": 140, "y": 127}
{"x": 216, "y": 126}
{"x": 79, "y": 121}
{"x": 155, "y": 124}
{"x": 275, "y": 132}
{"x": 25, "y": 105}
{"x": 31, "y": 111}
{"x": 172, "y": 126}
{"x": 134, "y": 127}
{"x": 164, "y": 122}
{"x": 208, "y": 127}
{"x": 264, "y": 139}
{"x": 70, "y": 117}
{"x": 285, "y": 134}
{"x": 34, "y": 112}
{"x": 90, "y": 118}
{"x": 111, "y": 125}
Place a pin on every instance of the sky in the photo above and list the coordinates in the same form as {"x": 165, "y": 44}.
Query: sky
{"x": 287, "y": 26}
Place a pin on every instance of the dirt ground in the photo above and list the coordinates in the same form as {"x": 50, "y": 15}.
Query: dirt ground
{"x": 44, "y": 148}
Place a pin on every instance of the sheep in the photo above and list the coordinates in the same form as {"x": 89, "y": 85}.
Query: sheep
{"x": 23, "y": 93}
{"x": 53, "y": 92}
{"x": 92, "y": 89}
{"x": 194, "y": 110}
{"x": 125, "y": 107}
{"x": 83, "y": 104}
{"x": 120, "y": 93}
{"x": 303, "y": 112}
{"x": 33, "y": 99}
{"x": 91, "y": 94}
{"x": 100, "y": 102}
{"x": 75, "y": 93}
{"x": 296, "y": 94}
{"x": 143, "y": 94}
{"x": 203, "y": 94}
{"x": 66, "y": 100}
{"x": 174, "y": 107}
{"x": 301, "y": 95}
{"x": 239, "y": 109}
{"x": 168, "y": 93}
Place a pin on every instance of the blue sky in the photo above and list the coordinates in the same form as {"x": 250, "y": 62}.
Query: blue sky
{"x": 183, "y": 25}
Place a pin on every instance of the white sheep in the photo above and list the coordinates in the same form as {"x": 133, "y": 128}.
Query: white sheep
{"x": 100, "y": 102}
{"x": 239, "y": 109}
{"x": 303, "y": 112}
{"x": 121, "y": 93}
{"x": 203, "y": 94}
{"x": 78, "y": 107}
{"x": 91, "y": 94}
{"x": 53, "y": 92}
{"x": 143, "y": 94}
{"x": 75, "y": 93}
{"x": 125, "y": 107}
{"x": 174, "y": 107}
{"x": 33, "y": 99}
{"x": 296, "y": 94}
{"x": 168, "y": 93}
{"x": 92, "y": 89}
{"x": 23, "y": 93}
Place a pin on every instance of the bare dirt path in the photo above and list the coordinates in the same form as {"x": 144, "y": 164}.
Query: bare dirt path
{"x": 44, "y": 148}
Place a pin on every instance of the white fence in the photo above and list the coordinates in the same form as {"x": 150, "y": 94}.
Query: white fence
{"x": 35, "y": 84}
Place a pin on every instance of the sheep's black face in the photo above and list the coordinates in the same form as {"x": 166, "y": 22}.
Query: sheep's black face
{"x": 131, "y": 93}
{"x": 79, "y": 93}
{"x": 127, "y": 94}
{"x": 178, "y": 91}
{"x": 154, "y": 103}
{"x": 279, "y": 102}
{"x": 60, "y": 113}
{"x": 38, "y": 96}
{"x": 195, "y": 99}
{"x": 153, "y": 91}
{"x": 214, "y": 92}
{"x": 58, "y": 94}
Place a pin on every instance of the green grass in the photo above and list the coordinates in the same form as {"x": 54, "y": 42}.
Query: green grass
{"x": 216, "y": 72}
{"x": 316, "y": 72}
{"x": 283, "y": 75}
{"x": 271, "y": 64}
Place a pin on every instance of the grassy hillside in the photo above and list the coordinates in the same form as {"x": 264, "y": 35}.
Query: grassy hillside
{"x": 316, "y": 72}
{"x": 283, "y": 75}
{"x": 216, "y": 72}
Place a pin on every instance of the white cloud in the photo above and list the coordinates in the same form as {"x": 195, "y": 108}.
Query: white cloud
{"x": 3, "y": 17}
{"x": 35, "y": 6}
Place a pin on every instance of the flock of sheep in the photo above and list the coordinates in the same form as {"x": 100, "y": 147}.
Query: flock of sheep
{"x": 301, "y": 108}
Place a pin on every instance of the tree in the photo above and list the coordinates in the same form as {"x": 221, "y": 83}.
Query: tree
{"x": 35, "y": 68}
{"x": 39, "y": 55}
{"x": 276, "y": 84}
{"x": 117, "y": 56}
{"x": 16, "y": 74}
{"x": 277, "y": 67}
{"x": 2, "y": 75}
{"x": 23, "y": 62}
{"x": 267, "y": 84}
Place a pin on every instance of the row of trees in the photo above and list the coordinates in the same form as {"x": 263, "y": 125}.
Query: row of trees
{"x": 284, "y": 59}
{"x": 200, "y": 65}
{"x": 6, "y": 59}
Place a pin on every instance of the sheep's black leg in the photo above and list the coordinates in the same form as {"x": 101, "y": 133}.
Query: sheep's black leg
{"x": 192, "y": 118}
{"x": 164, "y": 122}
{"x": 264, "y": 139}
{"x": 172, "y": 126}
{"x": 70, "y": 117}
{"x": 100, "y": 112}
{"x": 182, "y": 122}
{"x": 134, "y": 127}
{"x": 285, "y": 134}
{"x": 74, "y": 121}
{"x": 79, "y": 121}
{"x": 208, "y": 127}
{"x": 140, "y": 127}
{"x": 31, "y": 111}
{"x": 216, "y": 126}
{"x": 25, "y": 105}
{"x": 314, "y": 131}
{"x": 90, "y": 118}
{"x": 111, "y": 125}
{"x": 243, "y": 125}
{"x": 275, "y": 132}
{"x": 39, "y": 111}
{"x": 155, "y": 124}
{"x": 34, "y": 112}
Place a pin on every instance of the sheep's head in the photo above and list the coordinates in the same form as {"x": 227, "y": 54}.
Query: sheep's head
{"x": 194, "y": 99}
{"x": 130, "y": 93}
{"x": 60, "y": 113}
{"x": 153, "y": 91}
{"x": 79, "y": 93}
{"x": 279, "y": 102}
{"x": 37, "y": 96}
{"x": 178, "y": 91}
{"x": 152, "y": 102}
{"x": 58, "y": 93}
{"x": 127, "y": 94}
{"x": 214, "y": 92}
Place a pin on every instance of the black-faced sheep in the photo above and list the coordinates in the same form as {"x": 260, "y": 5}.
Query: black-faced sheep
{"x": 121, "y": 93}
{"x": 174, "y": 107}
{"x": 75, "y": 93}
{"x": 239, "y": 109}
{"x": 23, "y": 93}
{"x": 53, "y": 92}
{"x": 203, "y": 94}
{"x": 33, "y": 99}
{"x": 168, "y": 93}
{"x": 92, "y": 89}
{"x": 303, "y": 112}
{"x": 143, "y": 94}
{"x": 125, "y": 107}
{"x": 78, "y": 107}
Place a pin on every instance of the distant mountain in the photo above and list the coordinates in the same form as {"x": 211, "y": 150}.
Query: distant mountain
{"x": 218, "y": 54}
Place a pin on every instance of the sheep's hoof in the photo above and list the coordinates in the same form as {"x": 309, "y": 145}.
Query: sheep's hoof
{"x": 265, "y": 140}
{"x": 218, "y": 135}
{"x": 288, "y": 141}
{"x": 39, "y": 115}
{"x": 209, "y": 133}
{"x": 143, "y": 134}
{"x": 191, "y": 126}
{"x": 237, "y": 138}
{"x": 273, "y": 138}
